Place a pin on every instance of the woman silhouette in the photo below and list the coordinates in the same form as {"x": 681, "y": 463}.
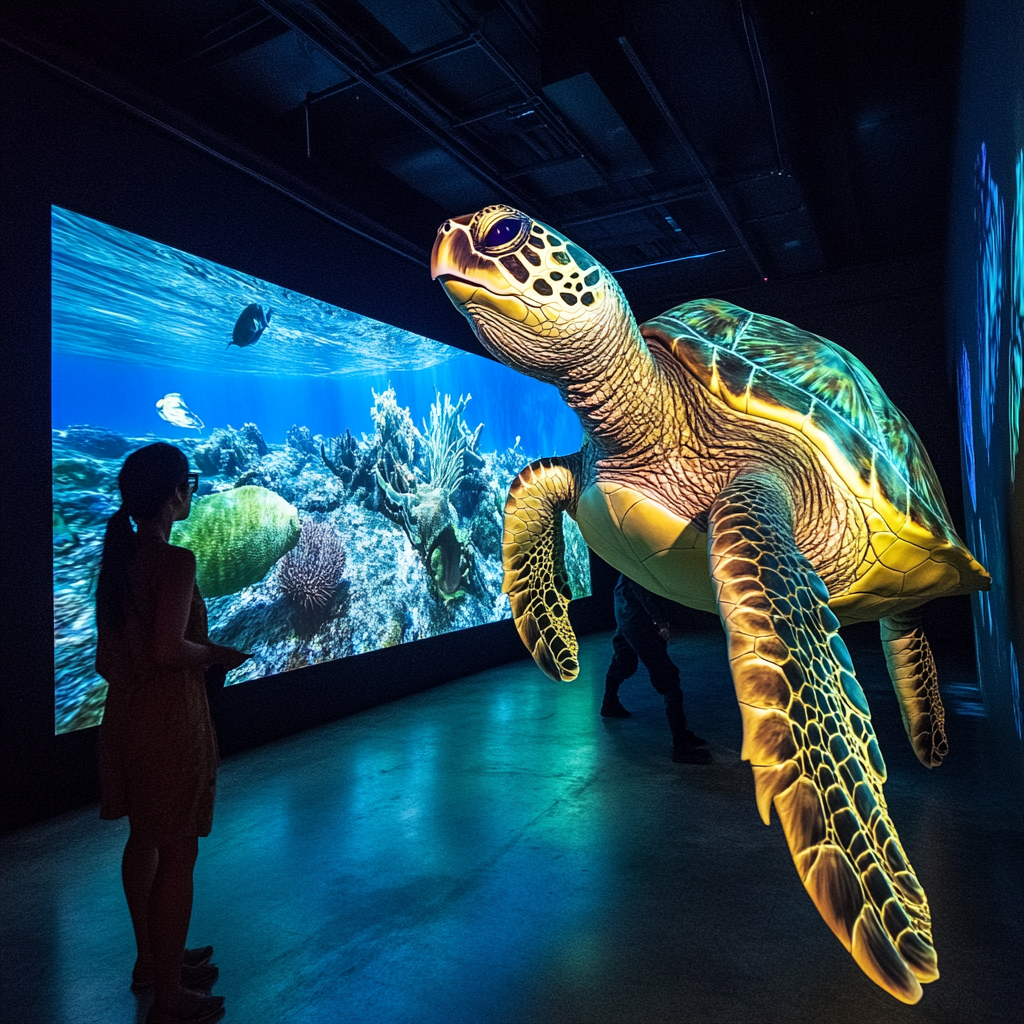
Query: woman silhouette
{"x": 158, "y": 750}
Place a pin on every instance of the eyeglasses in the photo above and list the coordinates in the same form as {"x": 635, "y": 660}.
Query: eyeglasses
{"x": 193, "y": 483}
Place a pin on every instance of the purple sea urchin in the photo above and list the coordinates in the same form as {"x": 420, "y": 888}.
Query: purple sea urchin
{"x": 311, "y": 572}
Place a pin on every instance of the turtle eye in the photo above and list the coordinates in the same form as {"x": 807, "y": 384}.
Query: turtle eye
{"x": 503, "y": 234}
{"x": 504, "y": 231}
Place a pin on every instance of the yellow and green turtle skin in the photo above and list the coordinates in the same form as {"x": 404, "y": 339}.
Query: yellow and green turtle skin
{"x": 739, "y": 465}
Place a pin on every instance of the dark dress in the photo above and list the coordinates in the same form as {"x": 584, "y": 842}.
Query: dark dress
{"x": 158, "y": 749}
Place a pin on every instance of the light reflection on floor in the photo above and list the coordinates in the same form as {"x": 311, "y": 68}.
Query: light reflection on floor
{"x": 493, "y": 850}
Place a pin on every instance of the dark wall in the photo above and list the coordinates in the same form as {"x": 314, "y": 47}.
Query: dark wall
{"x": 64, "y": 145}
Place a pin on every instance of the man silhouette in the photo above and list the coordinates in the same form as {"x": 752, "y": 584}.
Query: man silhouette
{"x": 642, "y": 619}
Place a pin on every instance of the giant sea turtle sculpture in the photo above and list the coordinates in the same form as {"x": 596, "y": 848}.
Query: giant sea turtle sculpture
{"x": 737, "y": 464}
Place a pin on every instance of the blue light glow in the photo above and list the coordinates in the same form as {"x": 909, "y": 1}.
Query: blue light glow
{"x": 661, "y": 263}
{"x": 967, "y": 422}
{"x": 1016, "y": 314}
{"x": 1015, "y": 689}
{"x": 989, "y": 217}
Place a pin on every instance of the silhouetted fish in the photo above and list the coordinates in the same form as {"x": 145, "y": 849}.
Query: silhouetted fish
{"x": 174, "y": 410}
{"x": 250, "y": 325}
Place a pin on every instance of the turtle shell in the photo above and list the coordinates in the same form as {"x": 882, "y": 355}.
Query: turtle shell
{"x": 772, "y": 370}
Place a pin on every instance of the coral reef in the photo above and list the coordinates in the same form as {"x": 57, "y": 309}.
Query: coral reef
{"x": 237, "y": 536}
{"x": 419, "y": 495}
{"x": 422, "y": 552}
{"x": 350, "y": 464}
{"x": 576, "y": 557}
{"x": 79, "y": 473}
{"x": 310, "y": 574}
{"x": 230, "y": 452}
{"x": 302, "y": 440}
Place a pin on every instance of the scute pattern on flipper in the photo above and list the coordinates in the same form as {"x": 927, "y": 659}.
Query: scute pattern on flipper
{"x": 826, "y": 777}
{"x": 908, "y": 656}
{"x": 533, "y": 558}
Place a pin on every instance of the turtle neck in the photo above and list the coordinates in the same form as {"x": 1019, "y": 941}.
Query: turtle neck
{"x": 619, "y": 392}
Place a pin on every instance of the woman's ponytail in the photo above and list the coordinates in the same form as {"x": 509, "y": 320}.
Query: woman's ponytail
{"x": 119, "y": 548}
{"x": 148, "y": 478}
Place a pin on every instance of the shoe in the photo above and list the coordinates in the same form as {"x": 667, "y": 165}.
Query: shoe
{"x": 693, "y": 740}
{"x": 197, "y": 957}
{"x": 612, "y": 708}
{"x": 201, "y": 978}
{"x": 691, "y": 755}
{"x": 193, "y": 960}
{"x": 191, "y": 1008}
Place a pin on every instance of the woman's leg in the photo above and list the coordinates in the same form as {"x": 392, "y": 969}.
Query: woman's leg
{"x": 170, "y": 910}
{"x": 138, "y": 868}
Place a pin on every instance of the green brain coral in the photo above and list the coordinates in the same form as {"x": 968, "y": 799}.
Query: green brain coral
{"x": 237, "y": 536}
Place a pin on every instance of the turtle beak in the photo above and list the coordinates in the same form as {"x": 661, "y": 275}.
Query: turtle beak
{"x": 470, "y": 278}
{"x": 453, "y": 257}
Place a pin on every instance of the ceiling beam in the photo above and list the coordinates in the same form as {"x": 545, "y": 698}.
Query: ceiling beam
{"x": 148, "y": 108}
{"x": 244, "y": 32}
{"x": 555, "y": 123}
{"x": 311, "y": 22}
{"x": 681, "y": 137}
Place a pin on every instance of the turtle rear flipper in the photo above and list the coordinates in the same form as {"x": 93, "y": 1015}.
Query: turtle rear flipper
{"x": 533, "y": 555}
{"x": 916, "y": 682}
{"x": 807, "y": 732}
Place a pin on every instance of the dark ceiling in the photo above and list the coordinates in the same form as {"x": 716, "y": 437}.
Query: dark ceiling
{"x": 694, "y": 146}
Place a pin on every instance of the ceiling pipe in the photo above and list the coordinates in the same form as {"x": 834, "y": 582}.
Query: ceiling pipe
{"x": 251, "y": 28}
{"x": 658, "y": 199}
{"x": 431, "y": 53}
{"x": 680, "y": 135}
{"x": 565, "y": 135}
{"x": 757, "y": 63}
{"x": 312, "y": 23}
{"x": 151, "y": 110}
{"x": 625, "y": 209}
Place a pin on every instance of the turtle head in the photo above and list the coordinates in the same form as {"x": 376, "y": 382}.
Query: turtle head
{"x": 535, "y": 300}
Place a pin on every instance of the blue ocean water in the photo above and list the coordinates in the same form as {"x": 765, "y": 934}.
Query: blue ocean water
{"x": 135, "y": 320}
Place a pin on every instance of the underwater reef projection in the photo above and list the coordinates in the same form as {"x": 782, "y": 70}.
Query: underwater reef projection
{"x": 765, "y": 404}
{"x": 351, "y": 507}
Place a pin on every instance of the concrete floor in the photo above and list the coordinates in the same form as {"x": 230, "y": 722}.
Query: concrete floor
{"x": 493, "y": 851}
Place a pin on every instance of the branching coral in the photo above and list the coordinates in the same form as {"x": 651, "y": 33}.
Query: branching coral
{"x": 395, "y": 438}
{"x": 448, "y": 443}
{"x": 420, "y": 499}
{"x": 419, "y": 480}
{"x": 311, "y": 572}
{"x": 346, "y": 459}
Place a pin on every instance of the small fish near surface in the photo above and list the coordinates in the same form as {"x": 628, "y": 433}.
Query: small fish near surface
{"x": 250, "y": 325}
{"x": 174, "y": 410}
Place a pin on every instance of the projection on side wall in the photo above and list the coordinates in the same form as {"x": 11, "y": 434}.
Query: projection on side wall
{"x": 706, "y": 426}
{"x": 353, "y": 474}
{"x": 989, "y": 355}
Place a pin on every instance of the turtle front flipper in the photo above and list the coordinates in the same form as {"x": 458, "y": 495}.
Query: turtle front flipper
{"x": 533, "y": 555}
{"x": 807, "y": 733}
{"x": 916, "y": 682}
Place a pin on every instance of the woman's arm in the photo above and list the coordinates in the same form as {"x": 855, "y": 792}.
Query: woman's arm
{"x": 174, "y": 580}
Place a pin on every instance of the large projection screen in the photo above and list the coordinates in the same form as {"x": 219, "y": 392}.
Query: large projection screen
{"x": 353, "y": 474}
